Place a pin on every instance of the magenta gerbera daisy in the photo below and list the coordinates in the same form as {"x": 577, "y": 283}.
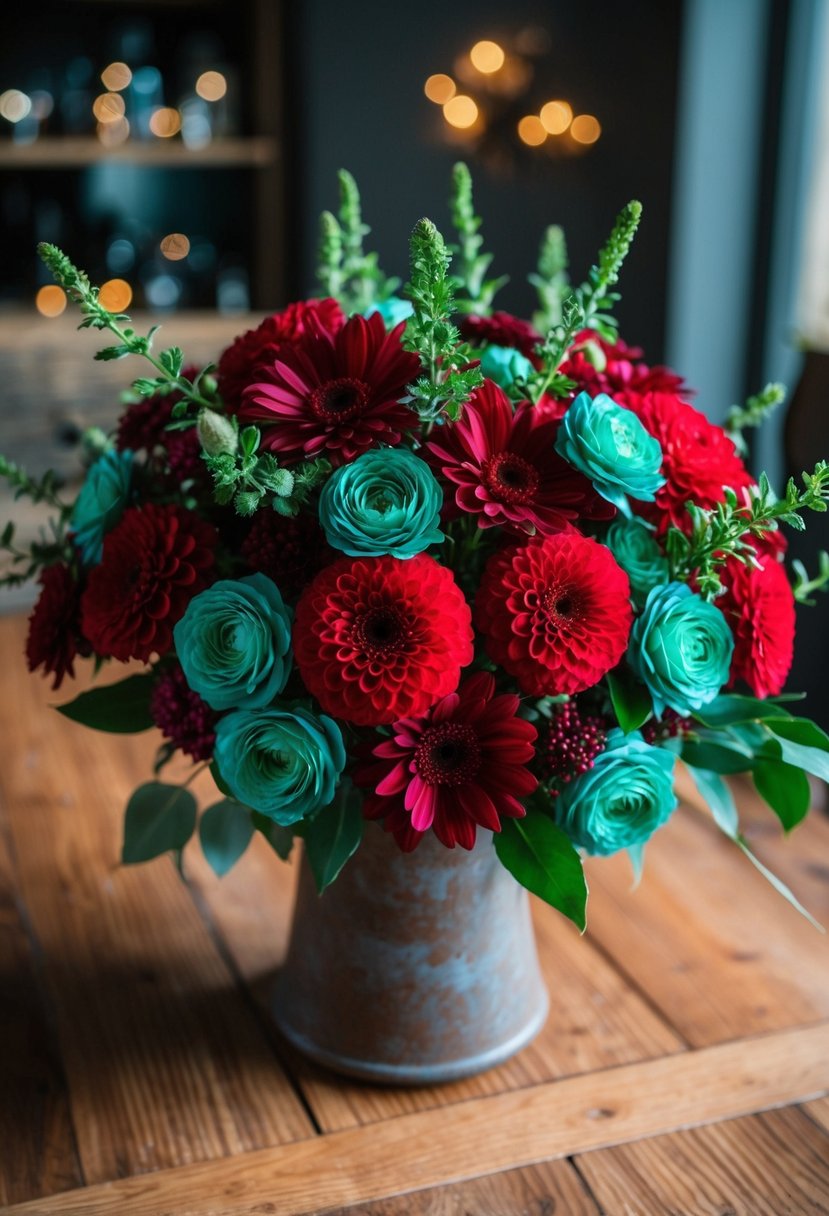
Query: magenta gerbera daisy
{"x": 459, "y": 767}
{"x": 334, "y": 394}
{"x": 507, "y": 471}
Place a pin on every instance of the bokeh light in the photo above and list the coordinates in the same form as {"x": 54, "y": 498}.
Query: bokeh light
{"x": 487, "y": 56}
{"x": 116, "y": 77}
{"x": 108, "y": 107}
{"x": 175, "y": 246}
{"x": 165, "y": 122}
{"x": 211, "y": 86}
{"x": 461, "y": 112}
{"x": 531, "y": 131}
{"x": 50, "y": 301}
{"x": 115, "y": 295}
{"x": 440, "y": 88}
{"x": 556, "y": 117}
{"x": 14, "y": 105}
{"x": 585, "y": 129}
{"x": 111, "y": 134}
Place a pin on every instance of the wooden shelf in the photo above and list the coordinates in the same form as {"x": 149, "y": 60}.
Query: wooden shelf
{"x": 258, "y": 151}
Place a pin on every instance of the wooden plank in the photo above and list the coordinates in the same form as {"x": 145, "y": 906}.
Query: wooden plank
{"x": 819, "y": 1111}
{"x": 774, "y": 1164}
{"x": 479, "y": 1137}
{"x": 165, "y": 1060}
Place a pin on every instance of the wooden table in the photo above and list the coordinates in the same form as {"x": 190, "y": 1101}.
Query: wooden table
{"x": 684, "y": 1067}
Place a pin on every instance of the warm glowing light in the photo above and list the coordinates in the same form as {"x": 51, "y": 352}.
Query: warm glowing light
{"x": 109, "y": 107}
{"x": 461, "y": 112}
{"x": 440, "y": 88}
{"x": 487, "y": 57}
{"x": 115, "y": 295}
{"x": 211, "y": 86}
{"x": 14, "y": 105}
{"x": 165, "y": 122}
{"x": 531, "y": 131}
{"x": 111, "y": 134}
{"x": 556, "y": 117}
{"x": 175, "y": 246}
{"x": 116, "y": 77}
{"x": 585, "y": 129}
{"x": 50, "y": 301}
{"x": 514, "y": 77}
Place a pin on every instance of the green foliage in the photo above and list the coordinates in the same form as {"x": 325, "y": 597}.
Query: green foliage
{"x": 225, "y": 831}
{"x": 804, "y": 586}
{"x": 333, "y": 835}
{"x": 550, "y": 279}
{"x": 279, "y": 838}
{"x": 247, "y": 477}
{"x": 345, "y": 271}
{"x": 785, "y": 788}
{"x": 52, "y": 545}
{"x": 753, "y": 414}
{"x": 541, "y": 857}
{"x": 159, "y": 819}
{"x": 474, "y": 293}
{"x": 631, "y": 701}
{"x": 122, "y": 708}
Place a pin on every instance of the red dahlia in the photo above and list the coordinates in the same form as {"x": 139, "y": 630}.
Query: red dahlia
{"x": 503, "y": 329}
{"x": 759, "y": 607}
{"x": 54, "y": 625}
{"x": 555, "y": 612}
{"x": 334, "y": 395}
{"x": 155, "y": 560}
{"x": 507, "y": 470}
{"x": 288, "y": 551}
{"x": 377, "y": 639}
{"x": 181, "y": 715}
{"x": 460, "y": 766}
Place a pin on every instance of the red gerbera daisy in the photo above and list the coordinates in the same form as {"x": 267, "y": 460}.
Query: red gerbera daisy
{"x": 155, "y": 560}
{"x": 555, "y": 612}
{"x": 376, "y": 639}
{"x": 334, "y": 395}
{"x": 507, "y": 470}
{"x": 759, "y": 607}
{"x": 503, "y": 329}
{"x": 459, "y": 767}
{"x": 54, "y": 625}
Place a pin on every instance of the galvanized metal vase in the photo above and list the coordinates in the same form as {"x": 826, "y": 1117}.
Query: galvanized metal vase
{"x": 412, "y": 968}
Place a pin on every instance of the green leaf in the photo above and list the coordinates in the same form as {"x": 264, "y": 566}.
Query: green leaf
{"x": 719, "y": 798}
{"x": 717, "y": 757}
{"x": 225, "y": 830}
{"x": 778, "y": 884}
{"x": 159, "y": 818}
{"x": 112, "y": 352}
{"x": 726, "y": 710}
{"x": 122, "y": 708}
{"x": 800, "y": 730}
{"x": 541, "y": 857}
{"x": 631, "y": 700}
{"x": 785, "y": 788}
{"x": 279, "y": 838}
{"x": 334, "y": 834}
{"x": 172, "y": 360}
{"x": 813, "y": 759}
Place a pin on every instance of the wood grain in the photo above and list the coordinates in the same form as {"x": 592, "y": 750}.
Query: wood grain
{"x": 479, "y": 1137}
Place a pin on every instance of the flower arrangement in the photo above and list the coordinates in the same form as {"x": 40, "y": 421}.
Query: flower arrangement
{"x": 401, "y": 557}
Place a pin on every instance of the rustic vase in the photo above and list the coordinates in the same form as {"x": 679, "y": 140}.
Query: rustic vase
{"x": 412, "y": 968}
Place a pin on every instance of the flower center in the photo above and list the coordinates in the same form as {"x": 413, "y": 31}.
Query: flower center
{"x": 381, "y": 632}
{"x": 339, "y": 400}
{"x": 559, "y": 605}
{"x": 510, "y": 478}
{"x": 448, "y": 754}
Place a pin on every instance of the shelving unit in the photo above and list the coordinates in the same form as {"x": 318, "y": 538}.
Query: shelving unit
{"x": 79, "y": 152}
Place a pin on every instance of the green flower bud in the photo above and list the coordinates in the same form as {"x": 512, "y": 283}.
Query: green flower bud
{"x": 217, "y": 434}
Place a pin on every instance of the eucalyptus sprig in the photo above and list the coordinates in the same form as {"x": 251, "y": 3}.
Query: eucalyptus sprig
{"x": 345, "y": 271}
{"x": 753, "y": 414}
{"x": 550, "y": 279}
{"x": 474, "y": 292}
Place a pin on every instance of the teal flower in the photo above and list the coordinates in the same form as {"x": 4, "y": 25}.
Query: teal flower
{"x": 681, "y": 648}
{"x": 610, "y": 446}
{"x": 234, "y": 643}
{"x": 505, "y": 365}
{"x": 104, "y": 495}
{"x": 386, "y": 501}
{"x": 621, "y": 801}
{"x": 393, "y": 310}
{"x": 633, "y": 545}
{"x": 283, "y": 763}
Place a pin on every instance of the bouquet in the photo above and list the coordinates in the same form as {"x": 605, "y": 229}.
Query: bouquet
{"x": 401, "y": 557}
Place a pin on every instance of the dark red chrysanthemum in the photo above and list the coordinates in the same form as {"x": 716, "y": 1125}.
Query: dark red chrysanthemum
{"x": 239, "y": 363}
{"x": 142, "y": 426}
{"x": 759, "y": 607}
{"x": 555, "y": 612}
{"x": 155, "y": 560}
{"x": 459, "y": 767}
{"x": 334, "y": 395}
{"x": 569, "y": 745}
{"x": 54, "y": 625}
{"x": 377, "y": 638}
{"x": 181, "y": 715}
{"x": 503, "y": 329}
{"x": 506, "y": 468}
{"x": 288, "y": 551}
{"x": 598, "y": 366}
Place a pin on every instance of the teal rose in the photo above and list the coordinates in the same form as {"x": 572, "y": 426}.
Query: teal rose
{"x": 610, "y": 446}
{"x": 285, "y": 763}
{"x": 505, "y": 365}
{"x": 393, "y": 310}
{"x": 681, "y": 648}
{"x": 234, "y": 643}
{"x": 634, "y": 546}
{"x": 387, "y": 501}
{"x": 101, "y": 502}
{"x": 621, "y": 801}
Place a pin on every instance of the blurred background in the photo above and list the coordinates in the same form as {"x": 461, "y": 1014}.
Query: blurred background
{"x": 181, "y": 151}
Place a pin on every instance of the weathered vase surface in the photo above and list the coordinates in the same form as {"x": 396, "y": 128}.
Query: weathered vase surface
{"x": 412, "y": 967}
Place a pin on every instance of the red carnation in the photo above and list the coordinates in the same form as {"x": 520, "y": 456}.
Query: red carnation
{"x": 507, "y": 470}
{"x": 155, "y": 560}
{"x": 503, "y": 329}
{"x": 54, "y": 625}
{"x": 242, "y": 359}
{"x": 182, "y": 716}
{"x": 555, "y": 612}
{"x": 459, "y": 767}
{"x": 334, "y": 395}
{"x": 377, "y": 638}
{"x": 759, "y": 607}
{"x": 288, "y": 551}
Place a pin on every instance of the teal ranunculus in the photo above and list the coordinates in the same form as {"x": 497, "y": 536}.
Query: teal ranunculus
{"x": 101, "y": 502}
{"x": 681, "y": 648}
{"x": 386, "y": 501}
{"x": 634, "y": 546}
{"x": 621, "y": 801}
{"x": 284, "y": 763}
{"x": 505, "y": 365}
{"x": 234, "y": 643}
{"x": 393, "y": 310}
{"x": 609, "y": 445}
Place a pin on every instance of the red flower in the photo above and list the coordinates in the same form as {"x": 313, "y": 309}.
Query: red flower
{"x": 54, "y": 625}
{"x": 377, "y": 638}
{"x": 503, "y": 329}
{"x": 555, "y": 612}
{"x": 459, "y": 767}
{"x": 619, "y": 368}
{"x": 242, "y": 359}
{"x": 289, "y": 551}
{"x": 181, "y": 715}
{"x": 155, "y": 560}
{"x": 334, "y": 395}
{"x": 142, "y": 426}
{"x": 506, "y": 468}
{"x": 759, "y": 607}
